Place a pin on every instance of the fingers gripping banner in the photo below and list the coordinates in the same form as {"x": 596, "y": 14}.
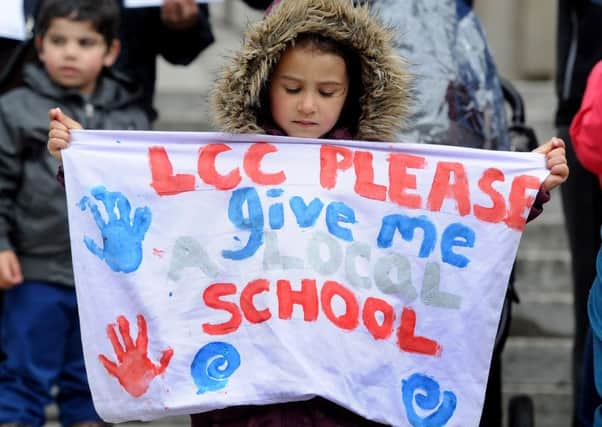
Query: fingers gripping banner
{"x": 215, "y": 270}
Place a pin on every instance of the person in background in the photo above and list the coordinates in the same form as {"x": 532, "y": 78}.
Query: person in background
{"x": 579, "y": 48}
{"x": 178, "y": 31}
{"x": 76, "y": 42}
{"x": 586, "y": 135}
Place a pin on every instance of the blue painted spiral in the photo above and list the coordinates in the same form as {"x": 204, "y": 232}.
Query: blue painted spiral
{"x": 213, "y": 365}
{"x": 425, "y": 392}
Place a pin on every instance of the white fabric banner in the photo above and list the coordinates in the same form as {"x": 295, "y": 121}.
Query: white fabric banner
{"x": 215, "y": 270}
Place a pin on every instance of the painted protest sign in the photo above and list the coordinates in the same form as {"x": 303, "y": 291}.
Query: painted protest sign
{"x": 215, "y": 270}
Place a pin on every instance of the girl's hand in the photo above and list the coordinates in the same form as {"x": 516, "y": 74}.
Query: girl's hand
{"x": 58, "y": 134}
{"x": 555, "y": 162}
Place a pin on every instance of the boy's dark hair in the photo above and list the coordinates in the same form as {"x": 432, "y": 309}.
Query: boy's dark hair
{"x": 350, "y": 114}
{"x": 103, "y": 14}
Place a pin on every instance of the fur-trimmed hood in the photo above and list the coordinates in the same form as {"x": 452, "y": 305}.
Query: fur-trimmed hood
{"x": 385, "y": 101}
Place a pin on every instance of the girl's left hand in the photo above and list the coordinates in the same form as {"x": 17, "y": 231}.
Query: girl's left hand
{"x": 555, "y": 162}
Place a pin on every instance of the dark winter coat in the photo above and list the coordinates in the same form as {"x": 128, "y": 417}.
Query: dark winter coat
{"x": 579, "y": 48}
{"x": 33, "y": 215}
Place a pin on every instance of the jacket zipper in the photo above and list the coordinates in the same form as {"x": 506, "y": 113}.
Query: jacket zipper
{"x": 89, "y": 110}
{"x": 89, "y": 114}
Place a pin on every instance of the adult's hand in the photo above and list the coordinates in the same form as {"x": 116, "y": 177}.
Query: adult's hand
{"x": 180, "y": 14}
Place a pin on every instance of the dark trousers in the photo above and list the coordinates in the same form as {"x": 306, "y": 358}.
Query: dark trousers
{"x": 41, "y": 337}
{"x": 582, "y": 206}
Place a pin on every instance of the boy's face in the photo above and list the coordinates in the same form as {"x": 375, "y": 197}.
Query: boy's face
{"x": 74, "y": 54}
{"x": 307, "y": 91}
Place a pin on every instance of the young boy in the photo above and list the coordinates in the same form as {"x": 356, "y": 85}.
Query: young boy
{"x": 75, "y": 41}
{"x": 331, "y": 73}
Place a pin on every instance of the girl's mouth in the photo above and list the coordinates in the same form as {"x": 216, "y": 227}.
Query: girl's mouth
{"x": 304, "y": 123}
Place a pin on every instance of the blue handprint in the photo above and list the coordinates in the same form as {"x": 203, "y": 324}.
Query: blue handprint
{"x": 121, "y": 237}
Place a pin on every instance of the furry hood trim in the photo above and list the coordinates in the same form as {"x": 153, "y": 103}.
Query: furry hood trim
{"x": 386, "y": 97}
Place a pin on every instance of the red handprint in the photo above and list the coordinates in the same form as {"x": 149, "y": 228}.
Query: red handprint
{"x": 135, "y": 370}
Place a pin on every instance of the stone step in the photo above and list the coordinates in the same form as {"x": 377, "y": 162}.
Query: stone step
{"x": 541, "y": 369}
{"x": 543, "y": 271}
{"x": 542, "y": 234}
{"x": 543, "y": 315}
{"x": 533, "y": 364}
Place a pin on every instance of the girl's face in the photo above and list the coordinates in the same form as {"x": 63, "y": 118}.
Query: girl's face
{"x": 307, "y": 91}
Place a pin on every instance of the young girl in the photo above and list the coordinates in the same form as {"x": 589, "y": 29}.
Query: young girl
{"x": 311, "y": 69}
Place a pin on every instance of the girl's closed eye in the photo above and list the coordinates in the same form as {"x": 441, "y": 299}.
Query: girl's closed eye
{"x": 290, "y": 89}
{"x": 331, "y": 91}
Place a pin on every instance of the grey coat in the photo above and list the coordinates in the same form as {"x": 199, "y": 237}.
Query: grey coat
{"x": 33, "y": 214}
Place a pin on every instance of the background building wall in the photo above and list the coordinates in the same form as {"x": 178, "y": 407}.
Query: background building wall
{"x": 522, "y": 35}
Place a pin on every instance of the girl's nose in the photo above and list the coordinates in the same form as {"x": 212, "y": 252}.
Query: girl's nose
{"x": 307, "y": 104}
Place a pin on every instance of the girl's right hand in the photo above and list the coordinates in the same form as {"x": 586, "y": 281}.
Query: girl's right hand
{"x": 58, "y": 134}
